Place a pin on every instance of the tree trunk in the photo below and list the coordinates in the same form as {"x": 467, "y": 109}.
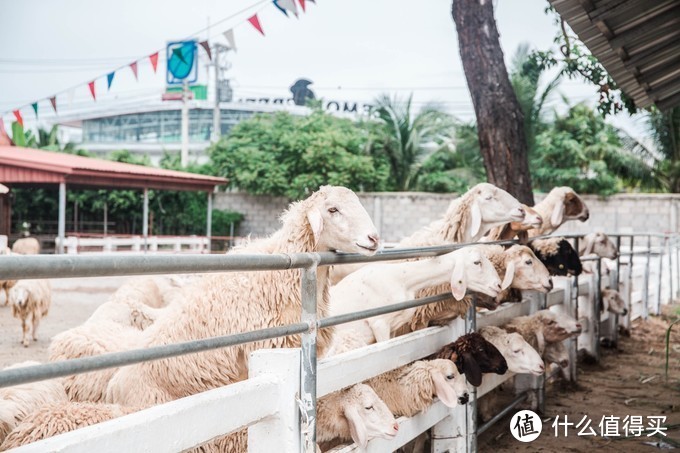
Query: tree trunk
{"x": 500, "y": 122}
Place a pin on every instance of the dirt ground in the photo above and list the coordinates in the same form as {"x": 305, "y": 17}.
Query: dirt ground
{"x": 627, "y": 381}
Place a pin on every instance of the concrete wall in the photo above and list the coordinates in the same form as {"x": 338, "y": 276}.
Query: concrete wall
{"x": 398, "y": 214}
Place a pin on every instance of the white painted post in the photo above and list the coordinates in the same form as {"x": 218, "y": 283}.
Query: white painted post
{"x": 61, "y": 229}
{"x": 136, "y": 244}
{"x": 108, "y": 245}
{"x": 3, "y": 243}
{"x": 145, "y": 218}
{"x": 72, "y": 245}
{"x": 282, "y": 432}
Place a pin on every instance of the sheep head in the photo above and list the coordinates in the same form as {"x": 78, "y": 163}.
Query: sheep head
{"x": 491, "y": 206}
{"x": 19, "y": 296}
{"x": 557, "y": 326}
{"x": 599, "y": 244}
{"x": 613, "y": 302}
{"x": 449, "y": 384}
{"x": 473, "y": 271}
{"x": 567, "y": 206}
{"x": 367, "y": 415}
{"x": 519, "y": 354}
{"x": 473, "y": 355}
{"x": 558, "y": 256}
{"x": 532, "y": 219}
{"x": 523, "y": 270}
{"x": 338, "y": 221}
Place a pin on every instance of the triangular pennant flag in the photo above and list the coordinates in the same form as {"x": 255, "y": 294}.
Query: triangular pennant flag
{"x": 177, "y": 51}
{"x": 229, "y": 36}
{"x": 109, "y": 79}
{"x": 69, "y": 96}
{"x": 17, "y": 115}
{"x": 154, "y": 61}
{"x": 35, "y": 108}
{"x": 255, "y": 22}
{"x": 312, "y": 1}
{"x": 133, "y": 66}
{"x": 91, "y": 85}
{"x": 206, "y": 46}
{"x": 2, "y": 126}
{"x": 302, "y": 4}
{"x": 53, "y": 101}
{"x": 288, "y": 5}
{"x": 276, "y": 4}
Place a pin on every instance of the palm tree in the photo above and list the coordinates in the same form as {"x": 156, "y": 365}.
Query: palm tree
{"x": 406, "y": 140}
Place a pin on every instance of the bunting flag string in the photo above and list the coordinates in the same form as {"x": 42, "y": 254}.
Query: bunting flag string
{"x": 229, "y": 36}
{"x": 154, "y": 61}
{"x": 17, "y": 115}
{"x": 91, "y": 85}
{"x": 133, "y": 66}
{"x": 109, "y": 79}
{"x": 206, "y": 47}
{"x": 285, "y": 6}
{"x": 255, "y": 22}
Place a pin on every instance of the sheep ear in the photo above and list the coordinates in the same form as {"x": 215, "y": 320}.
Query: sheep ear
{"x": 473, "y": 373}
{"x": 557, "y": 214}
{"x": 356, "y": 426}
{"x": 458, "y": 281}
{"x": 316, "y": 222}
{"x": 509, "y": 275}
{"x": 475, "y": 219}
{"x": 443, "y": 390}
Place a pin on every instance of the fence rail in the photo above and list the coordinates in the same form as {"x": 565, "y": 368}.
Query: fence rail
{"x": 455, "y": 429}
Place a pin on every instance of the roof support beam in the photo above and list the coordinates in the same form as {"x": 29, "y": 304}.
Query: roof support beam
{"x": 208, "y": 227}
{"x": 61, "y": 224}
{"x": 145, "y": 219}
{"x": 663, "y": 21}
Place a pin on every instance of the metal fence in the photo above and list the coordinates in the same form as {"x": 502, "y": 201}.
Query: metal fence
{"x": 457, "y": 425}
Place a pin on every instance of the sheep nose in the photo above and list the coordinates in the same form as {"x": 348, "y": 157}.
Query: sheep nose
{"x": 564, "y": 363}
{"x": 625, "y": 311}
{"x": 550, "y": 283}
{"x": 396, "y": 426}
{"x": 541, "y": 367}
{"x": 498, "y": 286}
{"x": 521, "y": 211}
{"x": 464, "y": 399}
{"x": 578, "y": 326}
{"x": 374, "y": 239}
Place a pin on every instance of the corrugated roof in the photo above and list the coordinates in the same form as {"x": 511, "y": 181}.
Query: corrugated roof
{"x": 31, "y": 166}
{"x": 637, "y": 41}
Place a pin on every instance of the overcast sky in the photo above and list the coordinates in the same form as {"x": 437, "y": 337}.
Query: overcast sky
{"x": 351, "y": 50}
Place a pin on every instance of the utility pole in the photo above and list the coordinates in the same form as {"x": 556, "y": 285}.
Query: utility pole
{"x": 184, "y": 153}
{"x": 218, "y": 50}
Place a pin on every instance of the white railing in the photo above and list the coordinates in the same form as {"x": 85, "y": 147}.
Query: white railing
{"x": 76, "y": 245}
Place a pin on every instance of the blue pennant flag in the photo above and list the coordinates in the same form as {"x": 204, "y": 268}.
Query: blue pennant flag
{"x": 283, "y": 10}
{"x": 109, "y": 79}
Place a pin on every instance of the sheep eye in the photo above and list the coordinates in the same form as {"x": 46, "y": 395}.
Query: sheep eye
{"x": 369, "y": 408}
{"x": 489, "y": 197}
{"x": 477, "y": 263}
{"x": 332, "y": 210}
{"x": 529, "y": 262}
{"x": 450, "y": 376}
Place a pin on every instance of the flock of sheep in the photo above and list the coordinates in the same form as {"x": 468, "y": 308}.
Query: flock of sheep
{"x": 147, "y": 312}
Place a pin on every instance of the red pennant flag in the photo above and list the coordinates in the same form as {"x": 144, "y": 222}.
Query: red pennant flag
{"x": 2, "y": 126}
{"x": 133, "y": 66}
{"x": 17, "y": 115}
{"x": 206, "y": 46}
{"x": 91, "y": 85}
{"x": 255, "y": 22}
{"x": 302, "y": 4}
{"x": 53, "y": 101}
{"x": 154, "y": 61}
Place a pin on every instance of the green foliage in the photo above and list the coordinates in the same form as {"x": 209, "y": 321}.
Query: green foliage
{"x": 582, "y": 151}
{"x": 222, "y": 219}
{"x": 284, "y": 154}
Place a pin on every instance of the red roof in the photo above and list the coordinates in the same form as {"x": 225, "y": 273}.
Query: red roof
{"x": 32, "y": 166}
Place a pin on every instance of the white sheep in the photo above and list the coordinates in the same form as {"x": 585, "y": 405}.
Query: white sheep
{"x": 532, "y": 220}
{"x": 412, "y": 388}
{"x": 597, "y": 244}
{"x": 467, "y": 219}
{"x": 52, "y": 419}
{"x": 382, "y": 284}
{"x": 519, "y": 354}
{"x": 30, "y": 298}
{"x": 560, "y": 205}
{"x": 222, "y": 304}
{"x": 353, "y": 414}
{"x": 543, "y": 327}
{"x": 26, "y": 246}
{"x": 613, "y": 302}
{"x": 19, "y": 401}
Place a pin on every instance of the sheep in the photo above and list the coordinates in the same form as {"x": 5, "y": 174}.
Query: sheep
{"x": 558, "y": 256}
{"x": 597, "y": 244}
{"x": 330, "y": 219}
{"x": 18, "y": 401}
{"x": 532, "y": 220}
{"x": 544, "y": 327}
{"x": 30, "y": 298}
{"x": 412, "y": 388}
{"x": 58, "y": 418}
{"x": 356, "y": 413}
{"x": 7, "y": 284}
{"x": 519, "y": 355}
{"x": 382, "y": 284}
{"x": 26, "y": 246}
{"x": 613, "y": 302}
{"x": 560, "y": 205}
{"x": 473, "y": 355}
{"x": 467, "y": 219}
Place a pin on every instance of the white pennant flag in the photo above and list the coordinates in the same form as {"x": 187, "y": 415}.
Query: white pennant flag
{"x": 288, "y": 5}
{"x": 229, "y": 34}
{"x": 70, "y": 95}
